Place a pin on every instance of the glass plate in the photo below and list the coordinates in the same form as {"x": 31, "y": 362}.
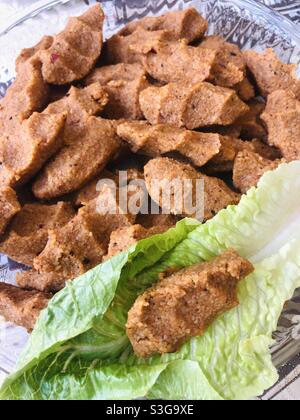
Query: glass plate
{"x": 246, "y": 23}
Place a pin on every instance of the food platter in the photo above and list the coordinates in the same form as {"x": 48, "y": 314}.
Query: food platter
{"x": 241, "y": 22}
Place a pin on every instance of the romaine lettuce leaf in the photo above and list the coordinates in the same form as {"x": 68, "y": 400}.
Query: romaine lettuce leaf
{"x": 266, "y": 219}
{"x": 79, "y": 347}
{"x": 234, "y": 352}
{"x": 193, "y": 384}
{"x": 81, "y": 305}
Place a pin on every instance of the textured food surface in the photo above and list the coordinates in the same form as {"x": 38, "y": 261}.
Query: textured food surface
{"x": 237, "y": 133}
{"x": 68, "y": 56}
{"x": 20, "y": 306}
{"x": 200, "y": 193}
{"x": 29, "y": 229}
{"x": 9, "y": 206}
{"x": 184, "y": 304}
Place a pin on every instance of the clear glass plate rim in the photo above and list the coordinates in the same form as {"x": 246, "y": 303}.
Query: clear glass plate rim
{"x": 278, "y": 19}
{"x": 262, "y": 11}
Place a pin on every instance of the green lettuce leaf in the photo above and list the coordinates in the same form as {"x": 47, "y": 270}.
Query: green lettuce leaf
{"x": 193, "y": 384}
{"x": 234, "y": 354}
{"x": 79, "y": 348}
{"x": 80, "y": 306}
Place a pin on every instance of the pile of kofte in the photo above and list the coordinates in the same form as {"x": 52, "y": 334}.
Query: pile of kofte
{"x": 164, "y": 95}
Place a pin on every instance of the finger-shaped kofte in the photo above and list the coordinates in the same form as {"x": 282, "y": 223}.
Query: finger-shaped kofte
{"x": 9, "y": 207}
{"x": 28, "y": 233}
{"x": 186, "y": 24}
{"x": 71, "y": 54}
{"x": 230, "y": 147}
{"x": 43, "y": 282}
{"x": 213, "y": 60}
{"x": 249, "y": 167}
{"x": 156, "y": 140}
{"x": 177, "y": 62}
{"x": 123, "y": 238}
{"x": 89, "y": 143}
{"x": 29, "y": 146}
{"x": 229, "y": 69}
{"x": 142, "y": 37}
{"x": 180, "y": 189}
{"x": 191, "y": 106}
{"x": 271, "y": 74}
{"x": 27, "y": 94}
{"x": 83, "y": 242}
{"x": 251, "y": 124}
{"x": 282, "y": 118}
{"x": 184, "y": 304}
{"x": 123, "y": 84}
{"x": 22, "y": 307}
